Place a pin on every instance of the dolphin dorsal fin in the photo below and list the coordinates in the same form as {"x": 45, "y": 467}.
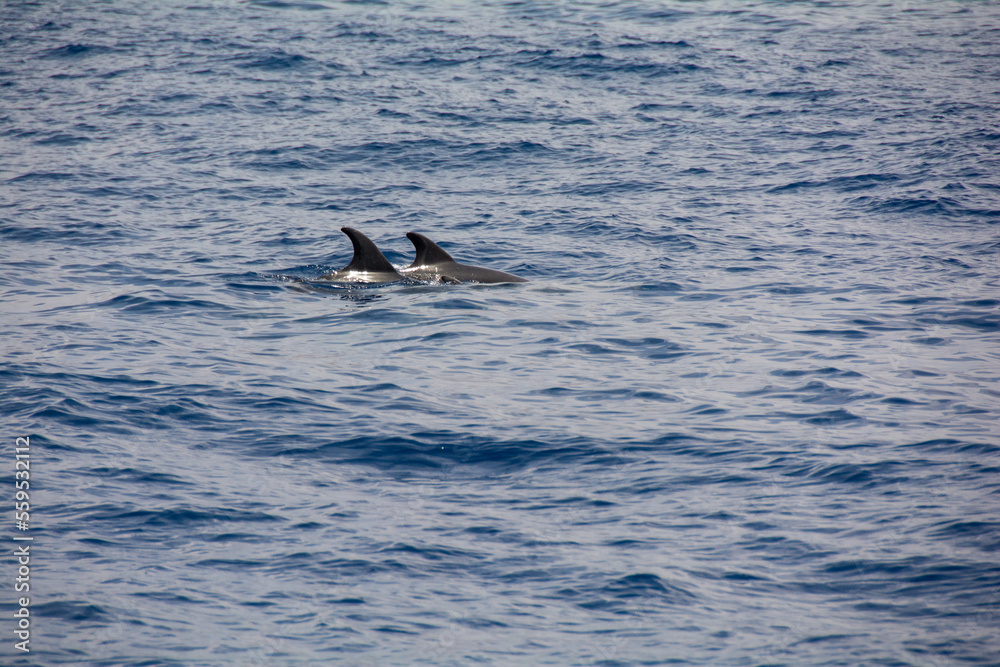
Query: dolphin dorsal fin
{"x": 428, "y": 252}
{"x": 367, "y": 256}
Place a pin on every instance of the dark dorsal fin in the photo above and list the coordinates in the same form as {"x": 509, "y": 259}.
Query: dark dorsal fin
{"x": 367, "y": 256}
{"x": 428, "y": 252}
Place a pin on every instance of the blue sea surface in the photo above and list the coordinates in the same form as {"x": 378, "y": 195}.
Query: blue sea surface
{"x": 744, "y": 412}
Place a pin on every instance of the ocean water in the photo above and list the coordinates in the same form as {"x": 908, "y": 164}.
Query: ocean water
{"x": 745, "y": 412}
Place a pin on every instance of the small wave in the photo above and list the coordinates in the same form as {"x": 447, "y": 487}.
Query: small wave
{"x": 77, "y": 51}
{"x": 828, "y": 371}
{"x": 284, "y": 4}
{"x": 76, "y": 611}
{"x": 654, "y": 289}
{"x": 599, "y": 396}
{"x": 868, "y": 475}
{"x": 134, "y": 303}
{"x": 630, "y": 594}
{"x": 61, "y": 139}
{"x": 654, "y": 44}
{"x": 440, "y": 449}
{"x": 809, "y": 94}
{"x": 598, "y": 65}
{"x": 928, "y": 204}
{"x": 969, "y": 320}
{"x": 419, "y": 153}
{"x": 276, "y": 59}
{"x": 137, "y": 476}
{"x": 43, "y": 176}
{"x": 847, "y": 334}
{"x": 840, "y": 183}
{"x": 982, "y": 535}
{"x": 132, "y": 519}
{"x": 839, "y": 417}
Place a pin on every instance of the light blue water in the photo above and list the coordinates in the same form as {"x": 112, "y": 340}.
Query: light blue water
{"x": 744, "y": 412}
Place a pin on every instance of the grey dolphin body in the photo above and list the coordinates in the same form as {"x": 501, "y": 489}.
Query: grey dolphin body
{"x": 433, "y": 263}
{"x": 369, "y": 264}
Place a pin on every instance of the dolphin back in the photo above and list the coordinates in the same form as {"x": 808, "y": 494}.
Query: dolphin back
{"x": 368, "y": 263}
{"x": 433, "y": 263}
{"x": 367, "y": 256}
{"x": 428, "y": 252}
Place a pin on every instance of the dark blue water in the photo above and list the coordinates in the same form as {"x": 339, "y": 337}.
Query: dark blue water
{"x": 744, "y": 413}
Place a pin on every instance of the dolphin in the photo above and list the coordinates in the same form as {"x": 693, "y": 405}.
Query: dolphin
{"x": 433, "y": 263}
{"x": 369, "y": 264}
